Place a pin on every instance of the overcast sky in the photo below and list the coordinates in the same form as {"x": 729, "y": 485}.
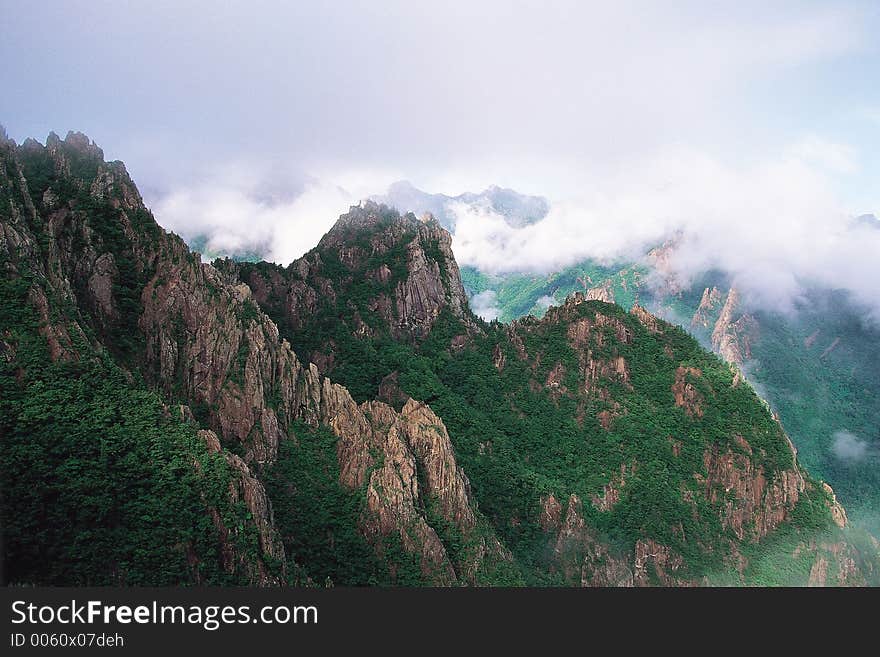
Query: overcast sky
{"x": 267, "y": 119}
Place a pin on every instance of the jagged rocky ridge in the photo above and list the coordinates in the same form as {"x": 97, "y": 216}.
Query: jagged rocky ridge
{"x": 379, "y": 306}
{"x": 814, "y": 361}
{"x": 200, "y": 339}
{"x": 751, "y": 498}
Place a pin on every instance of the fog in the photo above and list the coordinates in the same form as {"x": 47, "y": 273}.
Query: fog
{"x": 848, "y": 447}
{"x": 485, "y": 305}
{"x": 775, "y": 226}
{"x": 242, "y": 208}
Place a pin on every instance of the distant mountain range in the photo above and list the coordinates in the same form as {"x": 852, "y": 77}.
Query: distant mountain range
{"x": 517, "y": 209}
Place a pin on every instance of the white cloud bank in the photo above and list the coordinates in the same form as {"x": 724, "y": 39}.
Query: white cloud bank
{"x": 628, "y": 114}
{"x": 545, "y": 302}
{"x": 237, "y": 212}
{"x": 774, "y": 225}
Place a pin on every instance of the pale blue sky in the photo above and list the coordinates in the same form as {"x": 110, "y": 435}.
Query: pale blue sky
{"x": 444, "y": 91}
{"x": 262, "y": 121}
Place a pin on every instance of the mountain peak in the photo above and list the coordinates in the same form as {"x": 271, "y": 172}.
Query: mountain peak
{"x": 402, "y": 186}
{"x": 377, "y": 272}
{"x": 370, "y": 216}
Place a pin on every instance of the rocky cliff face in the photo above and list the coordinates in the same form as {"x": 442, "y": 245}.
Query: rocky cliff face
{"x": 749, "y": 498}
{"x": 75, "y": 227}
{"x": 580, "y": 555}
{"x": 382, "y": 273}
{"x": 206, "y": 342}
{"x": 723, "y": 320}
{"x": 734, "y": 331}
{"x": 707, "y": 311}
{"x": 245, "y": 488}
{"x": 601, "y": 293}
{"x": 405, "y": 463}
{"x": 751, "y": 506}
{"x": 634, "y": 409}
{"x": 586, "y": 560}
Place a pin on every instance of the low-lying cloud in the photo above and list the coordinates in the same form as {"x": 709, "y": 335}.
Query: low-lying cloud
{"x": 775, "y": 226}
{"x": 848, "y": 447}
{"x": 633, "y": 119}
{"x": 545, "y": 302}
{"x": 485, "y": 305}
{"x": 236, "y": 213}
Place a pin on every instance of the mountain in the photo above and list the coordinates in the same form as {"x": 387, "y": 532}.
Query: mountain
{"x": 817, "y": 367}
{"x": 484, "y": 379}
{"x": 105, "y": 481}
{"x": 516, "y": 295}
{"x": 517, "y": 209}
{"x": 348, "y": 420}
{"x": 815, "y": 364}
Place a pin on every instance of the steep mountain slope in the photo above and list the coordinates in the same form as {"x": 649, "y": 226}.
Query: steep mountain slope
{"x": 161, "y": 423}
{"x": 82, "y": 252}
{"x": 102, "y": 482}
{"x": 816, "y": 364}
{"x": 685, "y": 468}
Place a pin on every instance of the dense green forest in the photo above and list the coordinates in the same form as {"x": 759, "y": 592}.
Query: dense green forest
{"x": 621, "y": 421}
{"x": 829, "y": 401}
{"x": 100, "y": 484}
{"x": 821, "y": 399}
{"x": 519, "y": 444}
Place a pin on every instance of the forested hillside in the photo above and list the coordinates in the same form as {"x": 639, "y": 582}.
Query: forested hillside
{"x": 348, "y": 420}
